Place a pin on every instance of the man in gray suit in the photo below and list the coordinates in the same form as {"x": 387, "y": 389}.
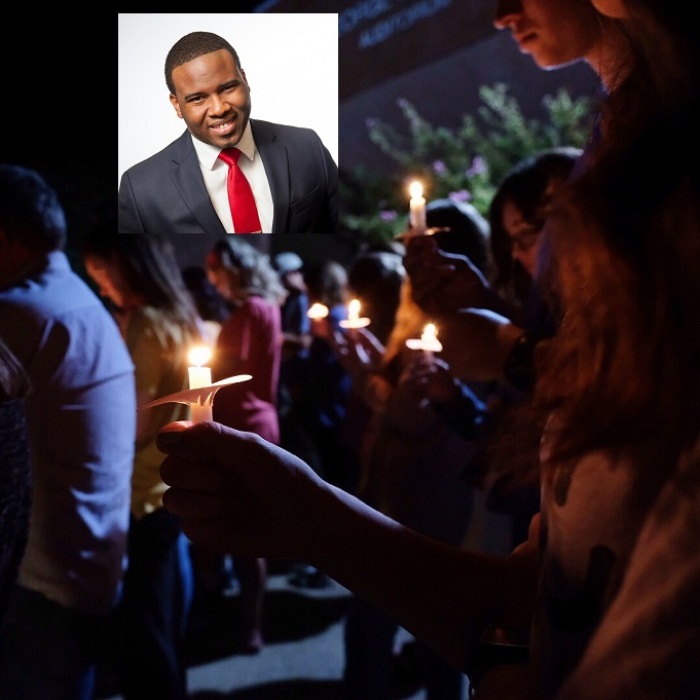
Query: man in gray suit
{"x": 183, "y": 188}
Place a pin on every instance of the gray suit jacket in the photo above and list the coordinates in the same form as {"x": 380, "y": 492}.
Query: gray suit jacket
{"x": 166, "y": 194}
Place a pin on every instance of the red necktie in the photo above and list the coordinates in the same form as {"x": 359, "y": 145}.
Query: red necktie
{"x": 240, "y": 196}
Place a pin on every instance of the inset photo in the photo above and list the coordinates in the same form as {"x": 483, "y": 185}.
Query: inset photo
{"x": 228, "y": 123}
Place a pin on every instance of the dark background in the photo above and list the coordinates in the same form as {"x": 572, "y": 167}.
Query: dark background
{"x": 59, "y": 105}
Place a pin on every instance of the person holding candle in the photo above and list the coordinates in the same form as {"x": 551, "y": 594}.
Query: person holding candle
{"x": 414, "y": 466}
{"x": 503, "y": 345}
{"x": 80, "y": 431}
{"x": 318, "y": 412}
{"x": 317, "y": 416}
{"x": 250, "y": 342}
{"x": 375, "y": 277}
{"x": 517, "y": 216}
{"x": 140, "y": 278}
{"x": 296, "y": 332}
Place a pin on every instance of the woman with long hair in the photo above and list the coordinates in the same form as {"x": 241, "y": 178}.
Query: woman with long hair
{"x": 250, "y": 342}
{"x": 140, "y": 278}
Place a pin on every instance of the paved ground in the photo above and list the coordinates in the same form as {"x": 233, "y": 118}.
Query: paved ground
{"x": 302, "y": 659}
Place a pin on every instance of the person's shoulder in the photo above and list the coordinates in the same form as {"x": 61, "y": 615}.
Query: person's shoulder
{"x": 176, "y": 150}
{"x": 276, "y": 129}
{"x": 37, "y": 284}
{"x": 259, "y": 304}
{"x": 147, "y": 318}
{"x": 150, "y": 325}
{"x": 262, "y": 310}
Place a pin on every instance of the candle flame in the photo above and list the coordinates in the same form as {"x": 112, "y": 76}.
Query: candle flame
{"x": 429, "y": 332}
{"x": 354, "y": 310}
{"x": 317, "y": 311}
{"x": 415, "y": 189}
{"x": 199, "y": 355}
{"x": 428, "y": 341}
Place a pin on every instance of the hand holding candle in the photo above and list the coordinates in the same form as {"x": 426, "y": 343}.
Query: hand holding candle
{"x": 200, "y": 396}
{"x": 353, "y": 319}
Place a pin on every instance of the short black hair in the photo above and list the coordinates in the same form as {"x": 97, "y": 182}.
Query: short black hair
{"x": 192, "y": 46}
{"x": 30, "y": 211}
{"x": 530, "y": 184}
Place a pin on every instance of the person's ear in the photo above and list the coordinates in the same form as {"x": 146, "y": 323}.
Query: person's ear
{"x": 175, "y": 104}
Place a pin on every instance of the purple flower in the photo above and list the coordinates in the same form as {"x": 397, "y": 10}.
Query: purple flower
{"x": 371, "y": 122}
{"x": 460, "y": 196}
{"x": 388, "y": 215}
{"x": 478, "y": 167}
{"x": 402, "y": 102}
{"x": 439, "y": 167}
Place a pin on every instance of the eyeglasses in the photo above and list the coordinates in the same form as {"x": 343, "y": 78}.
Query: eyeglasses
{"x": 523, "y": 241}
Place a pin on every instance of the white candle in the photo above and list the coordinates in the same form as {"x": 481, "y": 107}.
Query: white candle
{"x": 317, "y": 311}
{"x": 417, "y": 208}
{"x": 354, "y": 320}
{"x": 354, "y": 310}
{"x": 202, "y": 396}
{"x": 428, "y": 341}
{"x": 199, "y": 376}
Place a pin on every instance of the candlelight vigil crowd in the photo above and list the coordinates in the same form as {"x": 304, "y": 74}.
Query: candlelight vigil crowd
{"x": 486, "y": 430}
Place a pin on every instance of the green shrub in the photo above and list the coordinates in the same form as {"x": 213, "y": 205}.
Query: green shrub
{"x": 464, "y": 164}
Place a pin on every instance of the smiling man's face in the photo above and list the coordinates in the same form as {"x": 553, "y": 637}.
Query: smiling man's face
{"x": 213, "y": 97}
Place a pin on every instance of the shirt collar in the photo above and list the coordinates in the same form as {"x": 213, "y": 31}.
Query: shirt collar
{"x": 208, "y": 155}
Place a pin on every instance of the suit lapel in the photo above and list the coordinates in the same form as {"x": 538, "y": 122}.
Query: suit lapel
{"x": 276, "y": 161}
{"x": 188, "y": 180}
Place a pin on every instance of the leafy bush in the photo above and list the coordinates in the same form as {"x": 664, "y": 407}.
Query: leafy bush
{"x": 464, "y": 164}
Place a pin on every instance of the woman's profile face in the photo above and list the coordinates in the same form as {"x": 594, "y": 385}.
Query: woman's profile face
{"x": 225, "y": 280}
{"x": 107, "y": 274}
{"x": 553, "y": 32}
{"x": 523, "y": 235}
